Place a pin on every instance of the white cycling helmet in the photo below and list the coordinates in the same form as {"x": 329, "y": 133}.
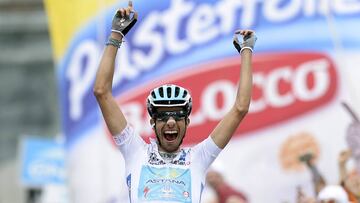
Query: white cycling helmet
{"x": 169, "y": 96}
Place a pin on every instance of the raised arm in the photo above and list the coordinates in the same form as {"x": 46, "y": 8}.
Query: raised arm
{"x": 121, "y": 24}
{"x": 228, "y": 125}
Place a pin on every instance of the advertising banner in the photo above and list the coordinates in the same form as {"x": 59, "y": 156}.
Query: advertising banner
{"x": 304, "y": 62}
{"x": 42, "y": 162}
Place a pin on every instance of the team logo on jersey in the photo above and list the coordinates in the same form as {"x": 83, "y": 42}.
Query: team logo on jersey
{"x": 164, "y": 184}
{"x": 156, "y": 159}
{"x": 146, "y": 190}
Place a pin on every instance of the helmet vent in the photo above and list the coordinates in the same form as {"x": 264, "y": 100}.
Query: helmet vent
{"x": 168, "y": 91}
{"x": 153, "y": 94}
{"x": 177, "y": 91}
{"x": 161, "y": 92}
{"x": 185, "y": 93}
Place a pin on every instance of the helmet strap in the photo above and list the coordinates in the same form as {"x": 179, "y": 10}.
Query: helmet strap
{"x": 157, "y": 135}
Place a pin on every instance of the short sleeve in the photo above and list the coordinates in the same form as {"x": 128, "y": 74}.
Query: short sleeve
{"x": 128, "y": 141}
{"x": 206, "y": 152}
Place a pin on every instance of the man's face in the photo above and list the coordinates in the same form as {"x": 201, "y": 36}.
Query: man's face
{"x": 170, "y": 126}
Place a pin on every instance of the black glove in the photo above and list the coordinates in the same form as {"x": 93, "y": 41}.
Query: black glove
{"x": 122, "y": 23}
{"x": 249, "y": 40}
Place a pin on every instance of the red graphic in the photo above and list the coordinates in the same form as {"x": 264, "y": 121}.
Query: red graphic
{"x": 146, "y": 190}
{"x": 286, "y": 85}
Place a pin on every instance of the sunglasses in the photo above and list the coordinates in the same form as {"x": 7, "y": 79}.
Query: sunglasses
{"x": 165, "y": 116}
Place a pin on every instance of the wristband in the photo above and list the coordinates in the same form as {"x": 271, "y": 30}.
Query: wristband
{"x": 113, "y": 42}
{"x": 246, "y": 48}
{"x": 117, "y": 31}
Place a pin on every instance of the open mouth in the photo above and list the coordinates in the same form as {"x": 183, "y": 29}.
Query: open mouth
{"x": 170, "y": 135}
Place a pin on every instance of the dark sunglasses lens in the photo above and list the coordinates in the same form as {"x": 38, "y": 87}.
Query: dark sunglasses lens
{"x": 164, "y": 116}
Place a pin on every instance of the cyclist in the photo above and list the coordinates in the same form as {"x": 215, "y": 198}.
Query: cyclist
{"x": 162, "y": 170}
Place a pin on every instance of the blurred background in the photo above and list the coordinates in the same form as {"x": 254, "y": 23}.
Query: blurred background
{"x": 53, "y": 138}
{"x": 29, "y": 98}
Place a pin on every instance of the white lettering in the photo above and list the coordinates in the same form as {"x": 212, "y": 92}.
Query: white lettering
{"x": 319, "y": 69}
{"x": 160, "y": 33}
{"x": 201, "y": 27}
{"x": 228, "y": 14}
{"x": 209, "y": 99}
{"x": 171, "y": 21}
{"x": 124, "y": 70}
{"x": 147, "y": 37}
{"x": 276, "y": 14}
{"x": 272, "y": 92}
{"x": 324, "y": 7}
{"x": 297, "y": 81}
{"x": 345, "y": 7}
{"x": 248, "y": 14}
{"x": 267, "y": 86}
{"x": 259, "y": 104}
{"x": 310, "y": 7}
{"x": 85, "y": 55}
{"x": 43, "y": 170}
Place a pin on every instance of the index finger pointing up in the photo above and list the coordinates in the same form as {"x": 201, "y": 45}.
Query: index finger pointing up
{"x": 130, "y": 4}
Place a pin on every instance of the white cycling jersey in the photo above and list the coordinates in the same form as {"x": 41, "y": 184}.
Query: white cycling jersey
{"x": 152, "y": 180}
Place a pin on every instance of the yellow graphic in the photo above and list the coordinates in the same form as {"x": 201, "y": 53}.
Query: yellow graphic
{"x": 173, "y": 173}
{"x": 66, "y": 17}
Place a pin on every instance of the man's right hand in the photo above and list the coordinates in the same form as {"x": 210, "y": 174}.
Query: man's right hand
{"x": 123, "y": 21}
